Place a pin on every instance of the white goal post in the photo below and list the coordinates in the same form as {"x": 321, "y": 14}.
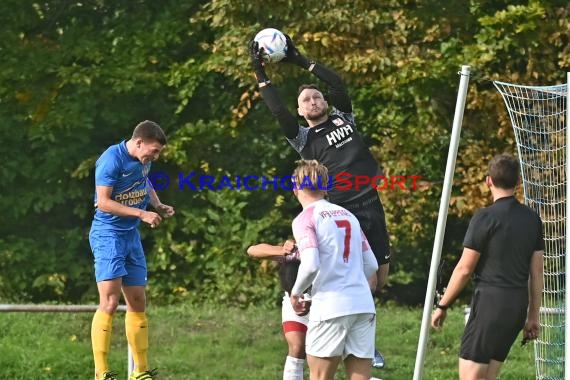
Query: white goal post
{"x": 442, "y": 219}
{"x": 541, "y": 120}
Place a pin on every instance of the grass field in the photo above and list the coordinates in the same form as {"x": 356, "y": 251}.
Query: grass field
{"x": 210, "y": 343}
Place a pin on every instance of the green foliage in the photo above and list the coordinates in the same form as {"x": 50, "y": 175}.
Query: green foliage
{"x": 35, "y": 269}
{"x": 76, "y": 77}
{"x": 207, "y": 260}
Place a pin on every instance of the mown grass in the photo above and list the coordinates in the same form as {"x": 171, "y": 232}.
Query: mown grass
{"x": 189, "y": 342}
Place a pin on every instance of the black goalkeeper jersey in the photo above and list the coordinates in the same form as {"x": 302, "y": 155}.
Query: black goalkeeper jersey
{"x": 336, "y": 143}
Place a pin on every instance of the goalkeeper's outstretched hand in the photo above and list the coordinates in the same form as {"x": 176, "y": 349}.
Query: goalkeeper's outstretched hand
{"x": 255, "y": 56}
{"x": 293, "y": 55}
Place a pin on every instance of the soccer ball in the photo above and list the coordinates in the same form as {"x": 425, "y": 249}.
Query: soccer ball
{"x": 273, "y": 43}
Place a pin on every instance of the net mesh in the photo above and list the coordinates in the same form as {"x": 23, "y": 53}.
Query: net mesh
{"x": 538, "y": 117}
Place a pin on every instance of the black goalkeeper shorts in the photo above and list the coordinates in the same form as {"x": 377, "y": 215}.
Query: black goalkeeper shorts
{"x": 370, "y": 214}
{"x": 496, "y": 318}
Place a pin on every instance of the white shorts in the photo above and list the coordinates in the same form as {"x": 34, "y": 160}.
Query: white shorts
{"x": 342, "y": 336}
{"x": 291, "y": 321}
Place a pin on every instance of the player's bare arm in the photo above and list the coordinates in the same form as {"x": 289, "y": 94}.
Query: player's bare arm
{"x": 106, "y": 204}
{"x": 165, "y": 211}
{"x": 269, "y": 251}
{"x": 459, "y": 278}
{"x": 535, "y": 285}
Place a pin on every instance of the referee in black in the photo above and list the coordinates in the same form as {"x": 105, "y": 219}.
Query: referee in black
{"x": 333, "y": 140}
{"x": 503, "y": 250}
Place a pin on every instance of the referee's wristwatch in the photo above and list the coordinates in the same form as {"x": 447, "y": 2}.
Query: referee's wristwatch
{"x": 442, "y": 307}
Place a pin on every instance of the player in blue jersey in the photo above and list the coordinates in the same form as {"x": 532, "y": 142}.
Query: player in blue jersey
{"x": 122, "y": 194}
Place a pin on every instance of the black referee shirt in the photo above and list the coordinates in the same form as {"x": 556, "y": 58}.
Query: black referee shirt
{"x": 505, "y": 234}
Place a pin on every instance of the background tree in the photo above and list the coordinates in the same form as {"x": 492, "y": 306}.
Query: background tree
{"x": 76, "y": 77}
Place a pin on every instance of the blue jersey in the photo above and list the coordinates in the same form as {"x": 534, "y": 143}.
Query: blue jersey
{"x": 128, "y": 177}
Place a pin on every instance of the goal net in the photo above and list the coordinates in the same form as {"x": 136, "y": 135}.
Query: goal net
{"x": 538, "y": 115}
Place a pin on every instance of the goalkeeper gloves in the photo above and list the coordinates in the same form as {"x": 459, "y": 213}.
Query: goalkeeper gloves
{"x": 257, "y": 61}
{"x": 294, "y": 56}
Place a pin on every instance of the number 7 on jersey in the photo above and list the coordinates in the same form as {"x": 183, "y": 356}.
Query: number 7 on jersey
{"x": 345, "y": 224}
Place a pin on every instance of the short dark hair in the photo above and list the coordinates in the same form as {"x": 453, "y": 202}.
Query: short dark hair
{"x": 288, "y": 274}
{"x": 504, "y": 171}
{"x": 306, "y": 86}
{"x": 149, "y": 130}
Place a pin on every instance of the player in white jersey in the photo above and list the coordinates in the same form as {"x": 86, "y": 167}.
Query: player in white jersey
{"x": 337, "y": 261}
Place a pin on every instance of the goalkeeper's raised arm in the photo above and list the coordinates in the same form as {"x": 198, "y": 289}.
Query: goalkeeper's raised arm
{"x": 337, "y": 96}
{"x": 270, "y": 95}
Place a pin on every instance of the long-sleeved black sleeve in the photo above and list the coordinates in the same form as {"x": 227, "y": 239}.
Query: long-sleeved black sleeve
{"x": 286, "y": 119}
{"x": 338, "y": 96}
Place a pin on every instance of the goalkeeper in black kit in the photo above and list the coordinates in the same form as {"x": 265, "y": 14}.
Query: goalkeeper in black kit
{"x": 332, "y": 139}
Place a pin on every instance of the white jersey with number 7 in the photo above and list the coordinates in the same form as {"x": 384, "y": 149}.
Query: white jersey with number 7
{"x": 344, "y": 260}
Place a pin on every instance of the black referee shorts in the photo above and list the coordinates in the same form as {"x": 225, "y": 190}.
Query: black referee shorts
{"x": 496, "y": 318}
{"x": 370, "y": 214}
